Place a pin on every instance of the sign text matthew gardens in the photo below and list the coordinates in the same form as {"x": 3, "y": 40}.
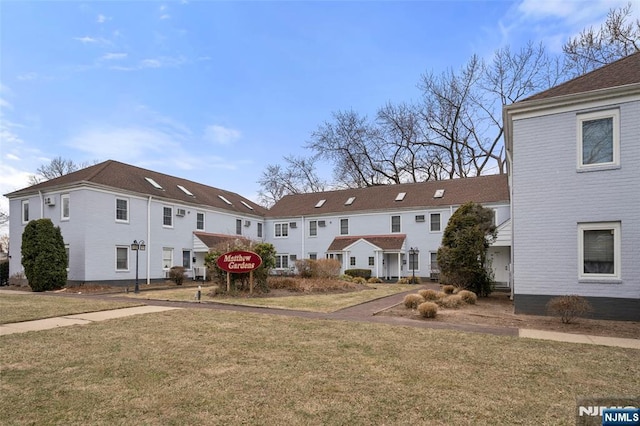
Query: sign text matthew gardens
{"x": 239, "y": 261}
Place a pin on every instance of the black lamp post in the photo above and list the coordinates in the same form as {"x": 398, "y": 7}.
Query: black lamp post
{"x": 137, "y": 246}
{"x": 413, "y": 252}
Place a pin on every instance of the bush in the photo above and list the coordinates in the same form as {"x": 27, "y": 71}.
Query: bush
{"x": 451, "y": 301}
{"x": 412, "y": 301}
{"x": 328, "y": 268}
{"x": 177, "y": 275}
{"x": 306, "y": 268}
{"x": 428, "y": 294}
{"x": 568, "y": 307}
{"x": 403, "y": 281}
{"x": 345, "y": 277}
{"x": 448, "y": 289}
{"x": 364, "y": 273}
{"x": 4, "y": 272}
{"x": 359, "y": 280}
{"x": 286, "y": 283}
{"x": 468, "y": 296}
{"x": 428, "y": 309}
{"x": 374, "y": 280}
{"x": 44, "y": 256}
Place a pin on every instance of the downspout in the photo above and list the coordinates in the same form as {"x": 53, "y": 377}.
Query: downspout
{"x": 509, "y": 180}
{"x": 149, "y": 240}
{"x": 304, "y": 233}
{"x": 41, "y": 205}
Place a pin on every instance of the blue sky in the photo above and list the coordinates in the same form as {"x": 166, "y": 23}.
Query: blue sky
{"x": 213, "y": 91}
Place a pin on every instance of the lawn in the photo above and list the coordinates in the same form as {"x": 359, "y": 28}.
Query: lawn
{"x": 26, "y": 307}
{"x": 316, "y": 302}
{"x": 208, "y": 367}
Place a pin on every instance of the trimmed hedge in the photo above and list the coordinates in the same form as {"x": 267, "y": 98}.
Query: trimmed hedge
{"x": 364, "y": 273}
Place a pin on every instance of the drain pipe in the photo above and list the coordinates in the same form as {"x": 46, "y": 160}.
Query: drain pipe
{"x": 149, "y": 240}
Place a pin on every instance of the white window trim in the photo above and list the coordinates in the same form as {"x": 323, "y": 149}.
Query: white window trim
{"x": 614, "y": 114}
{"x": 430, "y": 223}
{"x": 22, "y": 206}
{"x": 62, "y": 200}
{"x": 170, "y": 251}
{"x": 340, "y": 225}
{"x": 282, "y": 224}
{"x": 204, "y": 221}
{"x": 128, "y": 210}
{"x": 616, "y": 228}
{"x": 128, "y": 259}
{"x": 315, "y": 229}
{"x": 171, "y": 216}
{"x": 399, "y": 224}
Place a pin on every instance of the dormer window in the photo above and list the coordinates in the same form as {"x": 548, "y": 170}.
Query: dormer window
{"x": 400, "y": 196}
{"x": 153, "y": 183}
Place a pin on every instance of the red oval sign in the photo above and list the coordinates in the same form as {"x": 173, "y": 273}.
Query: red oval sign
{"x": 239, "y": 261}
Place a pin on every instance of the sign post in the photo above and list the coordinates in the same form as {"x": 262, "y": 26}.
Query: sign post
{"x": 239, "y": 262}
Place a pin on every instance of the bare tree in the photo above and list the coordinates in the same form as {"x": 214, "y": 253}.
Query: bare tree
{"x": 297, "y": 177}
{"x": 618, "y": 37}
{"x": 4, "y": 217}
{"x": 56, "y": 168}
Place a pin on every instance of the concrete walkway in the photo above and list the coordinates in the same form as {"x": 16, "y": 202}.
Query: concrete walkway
{"x": 365, "y": 312}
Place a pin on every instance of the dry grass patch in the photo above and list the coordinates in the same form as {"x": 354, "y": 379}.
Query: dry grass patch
{"x": 27, "y": 307}
{"x": 212, "y": 367}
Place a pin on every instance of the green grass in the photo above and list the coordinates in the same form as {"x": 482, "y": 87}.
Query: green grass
{"x": 208, "y": 367}
{"x": 316, "y": 302}
{"x": 26, "y": 307}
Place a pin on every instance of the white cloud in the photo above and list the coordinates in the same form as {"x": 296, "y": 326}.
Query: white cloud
{"x": 5, "y": 104}
{"x": 92, "y": 40}
{"x": 28, "y": 76}
{"x": 160, "y": 62}
{"x": 221, "y": 135}
{"x": 113, "y": 56}
{"x": 101, "y": 19}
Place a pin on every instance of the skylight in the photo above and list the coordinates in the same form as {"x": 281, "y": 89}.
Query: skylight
{"x": 155, "y": 184}
{"x": 320, "y": 203}
{"x": 186, "y": 191}
{"x": 439, "y": 193}
{"x": 349, "y": 201}
{"x": 246, "y": 205}
{"x": 400, "y": 196}
{"x": 225, "y": 200}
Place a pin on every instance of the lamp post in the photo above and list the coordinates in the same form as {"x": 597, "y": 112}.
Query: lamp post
{"x": 413, "y": 252}
{"x": 137, "y": 246}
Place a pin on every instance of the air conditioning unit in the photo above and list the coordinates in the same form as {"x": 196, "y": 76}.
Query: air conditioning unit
{"x": 293, "y": 225}
{"x": 247, "y": 223}
{"x": 49, "y": 201}
{"x": 322, "y": 223}
{"x": 181, "y": 212}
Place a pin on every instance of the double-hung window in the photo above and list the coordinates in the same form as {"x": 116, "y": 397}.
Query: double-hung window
{"x": 122, "y": 258}
{"x": 122, "y": 210}
{"x": 344, "y": 226}
{"x": 167, "y": 217}
{"x": 25, "y": 211}
{"x": 281, "y": 230}
{"x": 599, "y": 250}
{"x": 65, "y": 207}
{"x": 434, "y": 222}
{"x": 395, "y": 223}
{"x": 598, "y": 139}
{"x": 200, "y": 221}
{"x": 313, "y": 228}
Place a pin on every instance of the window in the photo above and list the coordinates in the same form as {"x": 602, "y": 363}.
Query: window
{"x": 349, "y": 201}
{"x": 400, "y": 196}
{"x": 122, "y": 210}
{"x": 598, "y": 139}
{"x": 155, "y": 184}
{"x": 344, "y": 226}
{"x": 225, "y": 200}
{"x": 434, "y": 222}
{"x": 238, "y": 226}
{"x": 352, "y": 261}
{"x": 186, "y": 259}
{"x": 200, "y": 221}
{"x": 186, "y": 191}
{"x": 313, "y": 228}
{"x": 259, "y": 230}
{"x": 433, "y": 258}
{"x": 320, "y": 204}
{"x": 395, "y": 223}
{"x": 281, "y": 230}
{"x": 64, "y": 208}
{"x": 599, "y": 250}
{"x": 439, "y": 193}
{"x": 313, "y": 256}
{"x": 282, "y": 261}
{"x": 371, "y": 261}
{"x": 122, "y": 258}
{"x": 25, "y": 211}
{"x": 167, "y": 216}
{"x": 167, "y": 258}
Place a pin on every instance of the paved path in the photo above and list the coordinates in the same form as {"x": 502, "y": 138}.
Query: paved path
{"x": 365, "y": 312}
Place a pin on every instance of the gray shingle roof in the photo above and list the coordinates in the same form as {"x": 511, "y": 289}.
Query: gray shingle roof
{"x": 129, "y": 178}
{"x": 620, "y": 73}
{"x": 482, "y": 189}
